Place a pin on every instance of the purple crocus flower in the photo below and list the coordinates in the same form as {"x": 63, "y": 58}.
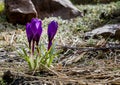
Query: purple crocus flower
{"x": 52, "y": 29}
{"x": 34, "y": 31}
{"x": 29, "y": 34}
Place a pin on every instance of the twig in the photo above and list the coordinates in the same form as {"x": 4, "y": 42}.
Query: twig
{"x": 20, "y": 74}
{"x": 90, "y": 48}
{"x": 12, "y": 38}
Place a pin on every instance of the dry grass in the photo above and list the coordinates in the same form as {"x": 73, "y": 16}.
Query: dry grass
{"x": 89, "y": 67}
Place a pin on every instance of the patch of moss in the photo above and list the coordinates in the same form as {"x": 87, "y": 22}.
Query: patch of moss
{"x": 2, "y": 82}
{"x": 92, "y": 1}
{"x": 1, "y": 6}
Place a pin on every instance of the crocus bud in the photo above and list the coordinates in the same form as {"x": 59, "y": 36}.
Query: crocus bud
{"x": 36, "y": 26}
{"x": 52, "y": 29}
{"x": 29, "y": 34}
{"x": 34, "y": 31}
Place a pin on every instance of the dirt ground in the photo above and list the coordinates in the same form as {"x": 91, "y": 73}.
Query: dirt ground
{"x": 71, "y": 69}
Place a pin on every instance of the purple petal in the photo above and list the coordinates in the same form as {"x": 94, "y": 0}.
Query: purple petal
{"x": 38, "y": 34}
{"x": 34, "y": 25}
{"x": 52, "y": 29}
{"x": 34, "y": 30}
{"x": 49, "y": 45}
{"x": 29, "y": 33}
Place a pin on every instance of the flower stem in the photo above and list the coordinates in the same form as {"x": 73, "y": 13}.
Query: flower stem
{"x": 33, "y": 46}
{"x": 49, "y": 45}
{"x": 30, "y": 45}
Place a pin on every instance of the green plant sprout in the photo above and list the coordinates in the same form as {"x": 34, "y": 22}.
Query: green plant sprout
{"x": 40, "y": 57}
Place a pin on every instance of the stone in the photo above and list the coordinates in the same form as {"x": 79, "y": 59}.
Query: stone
{"x": 19, "y": 11}
{"x": 115, "y": 82}
{"x": 63, "y": 8}
{"x": 109, "y": 30}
